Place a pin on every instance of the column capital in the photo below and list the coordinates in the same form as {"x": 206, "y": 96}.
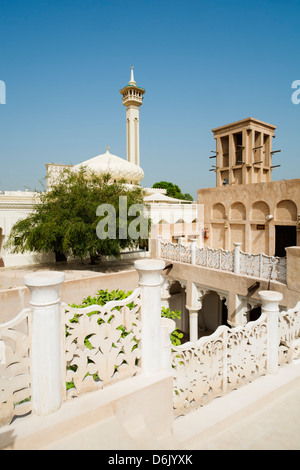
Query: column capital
{"x": 149, "y": 271}
{"x": 44, "y": 287}
{"x": 193, "y": 310}
{"x": 270, "y": 300}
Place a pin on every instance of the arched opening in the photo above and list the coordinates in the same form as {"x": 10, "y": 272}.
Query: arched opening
{"x": 177, "y": 301}
{"x": 218, "y": 211}
{"x": 237, "y": 211}
{"x": 214, "y": 313}
{"x": 253, "y": 313}
{"x": 260, "y": 210}
{"x": 285, "y": 226}
{"x": 286, "y": 211}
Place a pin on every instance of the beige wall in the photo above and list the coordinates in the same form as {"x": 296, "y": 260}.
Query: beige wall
{"x": 241, "y": 208}
{"x": 293, "y": 268}
{"x": 12, "y": 301}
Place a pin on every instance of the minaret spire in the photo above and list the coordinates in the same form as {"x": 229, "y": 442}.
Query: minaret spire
{"x": 132, "y": 82}
{"x": 132, "y": 99}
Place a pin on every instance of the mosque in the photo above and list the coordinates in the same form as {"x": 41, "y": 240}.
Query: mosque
{"x": 117, "y": 167}
{"x": 169, "y": 215}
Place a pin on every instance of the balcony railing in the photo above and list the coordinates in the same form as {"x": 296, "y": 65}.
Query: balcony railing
{"x": 236, "y": 261}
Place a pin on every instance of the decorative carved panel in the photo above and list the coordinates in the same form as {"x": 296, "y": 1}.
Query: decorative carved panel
{"x": 102, "y": 343}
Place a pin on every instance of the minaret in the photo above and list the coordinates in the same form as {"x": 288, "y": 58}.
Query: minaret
{"x": 132, "y": 99}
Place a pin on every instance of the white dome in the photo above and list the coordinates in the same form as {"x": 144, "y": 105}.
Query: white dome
{"x": 117, "y": 167}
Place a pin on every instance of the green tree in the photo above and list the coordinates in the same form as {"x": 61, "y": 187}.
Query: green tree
{"x": 173, "y": 190}
{"x": 65, "y": 220}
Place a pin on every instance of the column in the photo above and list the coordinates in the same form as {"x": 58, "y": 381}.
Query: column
{"x": 193, "y": 318}
{"x": 46, "y": 354}
{"x": 165, "y": 293}
{"x": 195, "y": 297}
{"x": 236, "y": 257}
{"x": 270, "y": 307}
{"x": 150, "y": 281}
{"x": 231, "y": 158}
{"x": 132, "y": 114}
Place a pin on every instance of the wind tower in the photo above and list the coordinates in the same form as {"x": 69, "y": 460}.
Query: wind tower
{"x": 244, "y": 152}
{"x": 132, "y": 99}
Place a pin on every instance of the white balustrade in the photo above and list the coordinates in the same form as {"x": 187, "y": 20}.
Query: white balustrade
{"x": 232, "y": 357}
{"x": 260, "y": 265}
{"x": 33, "y": 369}
{"x": 52, "y": 343}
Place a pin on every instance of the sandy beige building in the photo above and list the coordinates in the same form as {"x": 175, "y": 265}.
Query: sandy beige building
{"x": 246, "y": 206}
{"x": 246, "y": 215}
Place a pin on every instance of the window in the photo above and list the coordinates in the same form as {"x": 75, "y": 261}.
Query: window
{"x": 238, "y": 145}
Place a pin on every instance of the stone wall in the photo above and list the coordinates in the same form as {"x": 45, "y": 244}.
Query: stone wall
{"x": 249, "y": 213}
{"x": 12, "y": 301}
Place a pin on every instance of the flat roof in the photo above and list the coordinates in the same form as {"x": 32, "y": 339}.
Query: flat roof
{"x": 243, "y": 122}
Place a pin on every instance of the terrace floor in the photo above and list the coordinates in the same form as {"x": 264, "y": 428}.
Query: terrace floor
{"x": 14, "y": 276}
{"x": 263, "y": 415}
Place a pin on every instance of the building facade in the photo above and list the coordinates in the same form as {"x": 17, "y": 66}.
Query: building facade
{"x": 246, "y": 206}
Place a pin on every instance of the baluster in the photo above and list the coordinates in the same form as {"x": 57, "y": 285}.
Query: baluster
{"x": 150, "y": 280}
{"x": 236, "y": 257}
{"x": 46, "y": 360}
{"x": 270, "y": 306}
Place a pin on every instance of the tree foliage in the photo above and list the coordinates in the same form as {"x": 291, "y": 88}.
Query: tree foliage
{"x": 65, "y": 220}
{"x": 173, "y": 190}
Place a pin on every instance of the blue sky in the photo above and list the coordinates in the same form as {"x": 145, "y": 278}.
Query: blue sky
{"x": 203, "y": 64}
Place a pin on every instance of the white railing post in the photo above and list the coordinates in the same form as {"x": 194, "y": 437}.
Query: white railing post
{"x": 236, "y": 257}
{"x": 193, "y": 251}
{"x": 46, "y": 354}
{"x": 150, "y": 281}
{"x": 167, "y": 327}
{"x": 270, "y": 306}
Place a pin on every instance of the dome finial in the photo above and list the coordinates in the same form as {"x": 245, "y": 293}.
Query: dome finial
{"x": 132, "y": 82}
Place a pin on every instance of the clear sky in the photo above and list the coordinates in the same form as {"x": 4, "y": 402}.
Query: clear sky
{"x": 203, "y": 64}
